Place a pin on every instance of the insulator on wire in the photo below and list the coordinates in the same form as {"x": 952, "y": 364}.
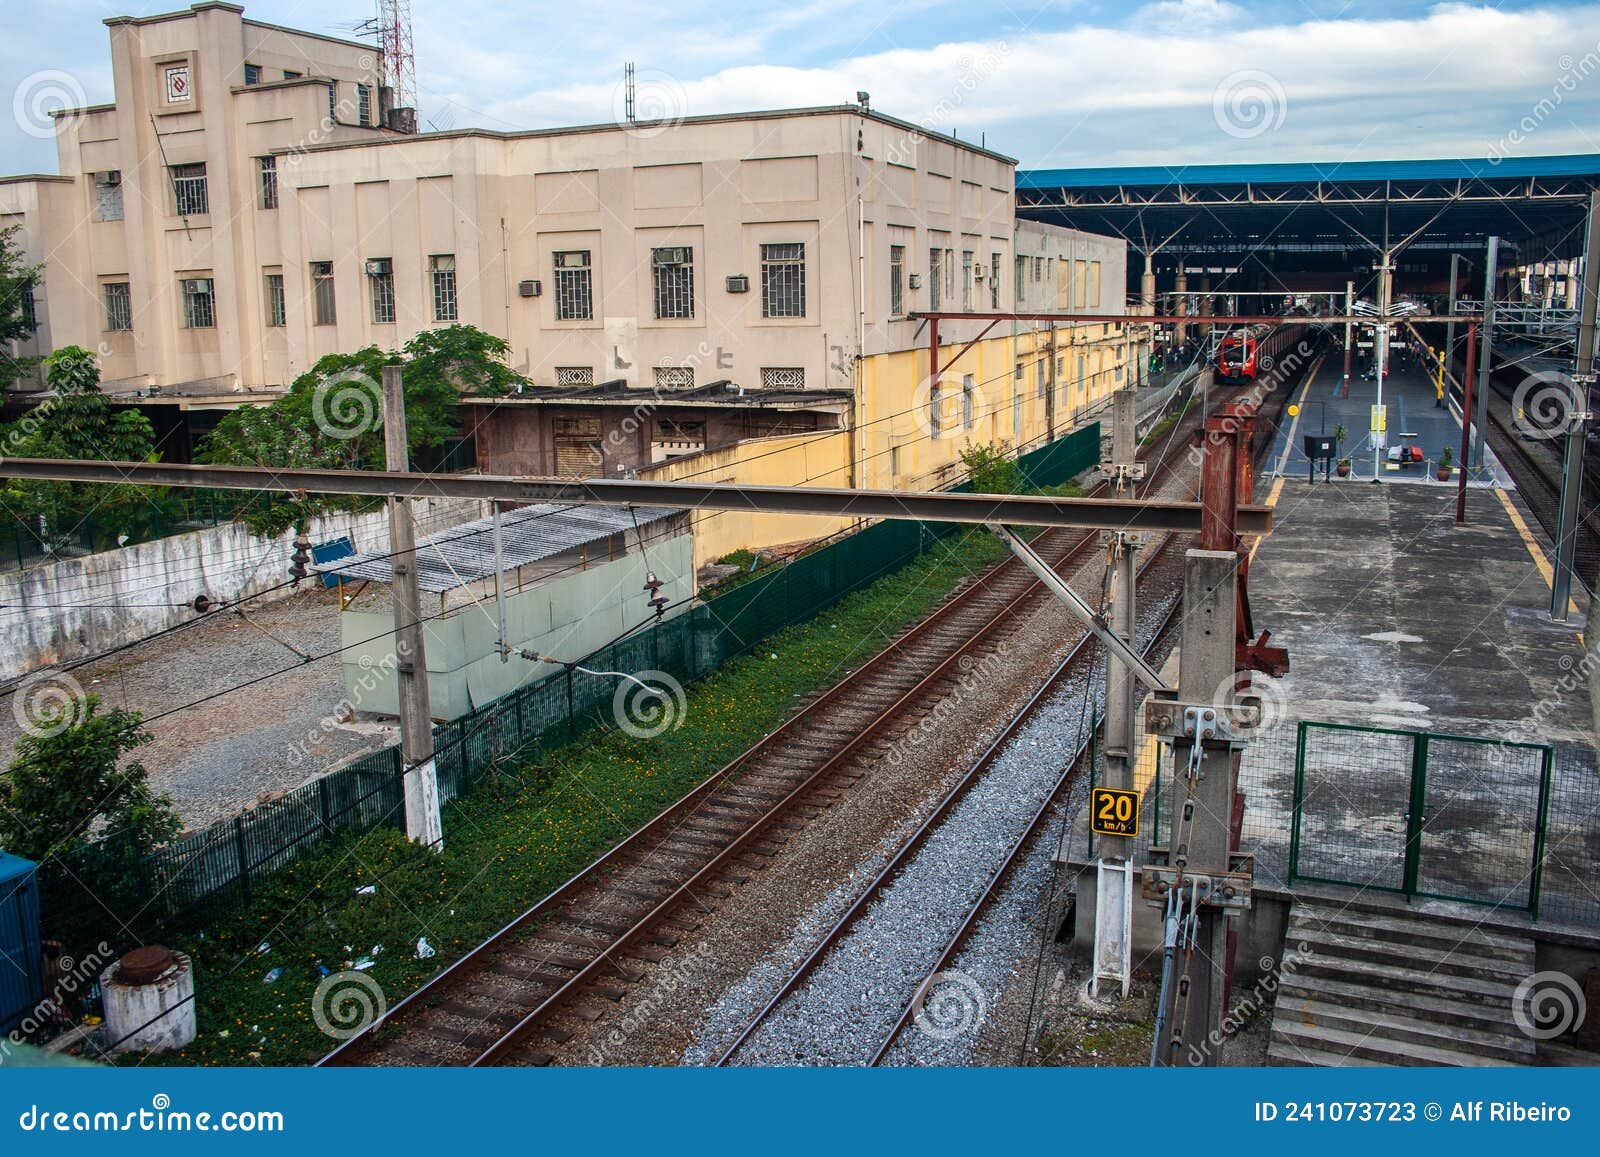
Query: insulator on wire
{"x": 652, "y": 586}
{"x": 299, "y": 561}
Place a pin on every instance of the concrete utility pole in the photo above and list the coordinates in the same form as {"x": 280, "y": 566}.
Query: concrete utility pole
{"x": 423, "y": 825}
{"x": 1486, "y": 348}
{"x": 1349, "y": 308}
{"x": 1180, "y": 304}
{"x": 1113, "y": 933}
{"x": 1450, "y": 326}
{"x": 1583, "y": 378}
{"x": 1380, "y": 350}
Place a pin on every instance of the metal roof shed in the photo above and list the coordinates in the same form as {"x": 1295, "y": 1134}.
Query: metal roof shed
{"x": 21, "y": 982}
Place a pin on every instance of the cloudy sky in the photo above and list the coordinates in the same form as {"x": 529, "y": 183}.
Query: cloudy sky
{"x": 1088, "y": 83}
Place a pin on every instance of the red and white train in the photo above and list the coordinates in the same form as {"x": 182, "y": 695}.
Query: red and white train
{"x": 1254, "y": 349}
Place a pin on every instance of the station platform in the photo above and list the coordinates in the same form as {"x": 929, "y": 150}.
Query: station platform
{"x": 1414, "y": 418}
{"x": 1405, "y": 630}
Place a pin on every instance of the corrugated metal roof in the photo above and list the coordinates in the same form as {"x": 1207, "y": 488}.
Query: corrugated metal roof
{"x": 1441, "y": 169}
{"x": 465, "y": 553}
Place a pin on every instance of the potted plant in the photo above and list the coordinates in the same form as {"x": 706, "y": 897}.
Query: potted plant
{"x": 1446, "y": 467}
{"x": 1339, "y": 435}
{"x": 1342, "y": 469}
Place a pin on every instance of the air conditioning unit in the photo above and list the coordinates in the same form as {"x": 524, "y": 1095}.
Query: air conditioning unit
{"x": 380, "y": 267}
{"x": 916, "y": 281}
{"x": 672, "y": 255}
{"x": 112, "y": 177}
{"x": 529, "y": 288}
{"x": 197, "y": 285}
{"x": 977, "y": 273}
{"x": 738, "y": 283}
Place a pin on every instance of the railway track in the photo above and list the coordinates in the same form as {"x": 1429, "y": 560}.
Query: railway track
{"x": 1083, "y": 655}
{"x": 574, "y": 951}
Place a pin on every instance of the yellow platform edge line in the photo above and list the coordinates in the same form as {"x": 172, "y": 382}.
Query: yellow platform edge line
{"x": 1540, "y": 560}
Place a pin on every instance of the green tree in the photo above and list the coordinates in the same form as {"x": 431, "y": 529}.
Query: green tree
{"x": 76, "y": 420}
{"x": 71, "y": 780}
{"x": 992, "y": 469}
{"x": 17, "y": 283}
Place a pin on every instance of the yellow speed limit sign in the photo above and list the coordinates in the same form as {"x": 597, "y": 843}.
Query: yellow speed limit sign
{"x": 1113, "y": 812}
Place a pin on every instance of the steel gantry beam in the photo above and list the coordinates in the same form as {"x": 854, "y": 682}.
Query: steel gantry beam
{"x": 977, "y": 509}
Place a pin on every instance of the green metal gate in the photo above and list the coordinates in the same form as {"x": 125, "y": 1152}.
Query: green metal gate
{"x": 1451, "y": 817}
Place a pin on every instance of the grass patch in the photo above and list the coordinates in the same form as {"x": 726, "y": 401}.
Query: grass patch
{"x": 517, "y": 837}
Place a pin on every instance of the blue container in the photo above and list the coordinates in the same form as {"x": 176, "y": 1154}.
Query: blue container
{"x": 21, "y": 985}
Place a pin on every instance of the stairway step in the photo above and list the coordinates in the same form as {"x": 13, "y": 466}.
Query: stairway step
{"x": 1422, "y": 933}
{"x": 1364, "y": 1047}
{"x": 1436, "y": 912}
{"x": 1343, "y": 993}
{"x": 1438, "y": 961}
{"x": 1492, "y": 992}
{"x": 1312, "y": 1012}
{"x": 1300, "y": 1053}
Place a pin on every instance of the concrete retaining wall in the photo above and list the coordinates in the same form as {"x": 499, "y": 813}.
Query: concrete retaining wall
{"x": 79, "y": 607}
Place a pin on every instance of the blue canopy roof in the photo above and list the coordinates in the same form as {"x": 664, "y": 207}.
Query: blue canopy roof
{"x": 1443, "y": 169}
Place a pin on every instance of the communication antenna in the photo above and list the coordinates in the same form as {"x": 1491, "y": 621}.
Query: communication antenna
{"x": 627, "y": 90}
{"x": 392, "y": 27}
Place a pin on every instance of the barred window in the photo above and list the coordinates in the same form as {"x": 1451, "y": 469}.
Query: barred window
{"x": 267, "y": 167}
{"x": 199, "y": 303}
{"x": 897, "y": 280}
{"x": 574, "y": 375}
{"x": 276, "y": 315}
{"x": 934, "y": 280}
{"x": 994, "y": 281}
{"x": 966, "y": 280}
{"x": 252, "y": 74}
{"x": 189, "y": 190}
{"x": 935, "y": 427}
{"x": 574, "y": 286}
{"x": 119, "y": 305}
{"x": 108, "y": 196}
{"x": 442, "y": 272}
{"x": 968, "y": 398}
{"x": 674, "y": 377}
{"x": 322, "y": 301}
{"x": 672, "y": 273}
{"x": 364, "y": 103}
{"x": 783, "y": 377}
{"x": 333, "y": 100}
{"x": 380, "y": 274}
{"x": 783, "y": 280}
{"x": 1038, "y": 378}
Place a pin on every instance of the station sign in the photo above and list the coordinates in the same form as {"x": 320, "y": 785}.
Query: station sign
{"x": 1113, "y": 811}
{"x": 1380, "y": 419}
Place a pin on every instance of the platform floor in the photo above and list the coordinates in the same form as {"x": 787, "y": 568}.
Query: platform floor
{"x": 1414, "y": 419}
{"x": 1395, "y": 617}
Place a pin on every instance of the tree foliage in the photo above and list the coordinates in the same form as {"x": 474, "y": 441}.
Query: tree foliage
{"x": 992, "y": 468}
{"x": 71, "y": 780}
{"x": 17, "y": 282}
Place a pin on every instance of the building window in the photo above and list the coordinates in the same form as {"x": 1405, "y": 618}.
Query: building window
{"x": 380, "y": 273}
{"x": 935, "y": 426}
{"x": 1080, "y": 272}
{"x": 333, "y": 100}
{"x": 442, "y": 272}
{"x": 783, "y": 280}
{"x": 119, "y": 305}
{"x": 30, "y": 309}
{"x": 966, "y": 280}
{"x": 199, "y": 303}
{"x": 949, "y": 274}
{"x": 364, "y": 103}
{"x": 897, "y": 280}
{"x": 935, "y": 282}
{"x": 574, "y": 375}
{"x": 672, "y": 274}
{"x": 1022, "y": 280}
{"x": 674, "y": 439}
{"x": 1038, "y": 378}
{"x": 1016, "y": 419}
{"x": 288, "y": 75}
{"x": 674, "y": 377}
{"x": 252, "y": 73}
{"x": 322, "y": 303}
{"x": 968, "y": 397}
{"x": 108, "y": 196}
{"x": 1094, "y": 284}
{"x": 783, "y": 377}
{"x": 267, "y": 172}
{"x": 894, "y": 461}
{"x": 574, "y": 286}
{"x": 275, "y": 308}
{"x": 994, "y": 281}
{"x": 189, "y": 190}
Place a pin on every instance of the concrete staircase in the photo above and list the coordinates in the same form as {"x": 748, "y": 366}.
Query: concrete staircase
{"x": 1373, "y": 983}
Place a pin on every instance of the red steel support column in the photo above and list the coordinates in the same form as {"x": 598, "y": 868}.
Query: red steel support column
{"x": 1466, "y": 421}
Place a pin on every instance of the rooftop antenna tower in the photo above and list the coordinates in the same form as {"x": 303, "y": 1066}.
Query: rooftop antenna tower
{"x": 392, "y": 27}
{"x": 627, "y": 90}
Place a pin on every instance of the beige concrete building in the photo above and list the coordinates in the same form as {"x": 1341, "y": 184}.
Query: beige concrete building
{"x": 241, "y": 211}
